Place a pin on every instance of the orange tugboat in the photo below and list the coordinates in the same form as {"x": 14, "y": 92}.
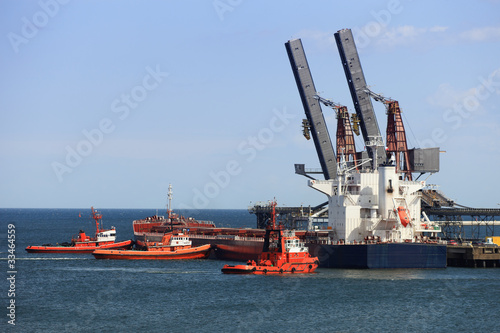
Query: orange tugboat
{"x": 172, "y": 246}
{"x": 103, "y": 239}
{"x": 283, "y": 253}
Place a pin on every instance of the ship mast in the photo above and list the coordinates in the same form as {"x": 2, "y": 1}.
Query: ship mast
{"x": 96, "y": 216}
{"x": 169, "y": 206}
{"x": 273, "y": 215}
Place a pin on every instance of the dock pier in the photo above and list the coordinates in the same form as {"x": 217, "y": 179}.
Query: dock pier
{"x": 476, "y": 256}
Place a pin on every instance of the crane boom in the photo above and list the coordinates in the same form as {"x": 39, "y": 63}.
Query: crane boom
{"x": 312, "y": 108}
{"x": 328, "y": 102}
{"x": 362, "y": 103}
{"x": 377, "y": 97}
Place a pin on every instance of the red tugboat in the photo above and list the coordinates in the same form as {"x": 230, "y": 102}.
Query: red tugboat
{"x": 283, "y": 252}
{"x": 103, "y": 239}
{"x": 174, "y": 245}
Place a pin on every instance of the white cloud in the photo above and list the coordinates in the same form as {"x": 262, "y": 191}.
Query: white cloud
{"x": 407, "y": 34}
{"x": 447, "y": 96}
{"x": 485, "y": 90}
{"x": 438, "y": 29}
{"x": 484, "y": 34}
{"x": 386, "y": 36}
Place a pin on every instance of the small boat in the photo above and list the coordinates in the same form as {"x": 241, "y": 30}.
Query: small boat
{"x": 283, "y": 252}
{"x": 83, "y": 243}
{"x": 174, "y": 245}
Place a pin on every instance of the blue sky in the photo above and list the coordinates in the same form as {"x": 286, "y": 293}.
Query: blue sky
{"x": 105, "y": 103}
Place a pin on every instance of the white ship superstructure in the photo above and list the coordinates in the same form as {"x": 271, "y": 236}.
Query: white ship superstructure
{"x": 106, "y": 235}
{"x": 375, "y": 206}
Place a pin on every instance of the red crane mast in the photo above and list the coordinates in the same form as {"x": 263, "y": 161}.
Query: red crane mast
{"x": 345, "y": 137}
{"x": 396, "y": 135}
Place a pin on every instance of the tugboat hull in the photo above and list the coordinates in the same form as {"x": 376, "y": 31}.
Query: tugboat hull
{"x": 200, "y": 252}
{"x": 84, "y": 248}
{"x": 294, "y": 268}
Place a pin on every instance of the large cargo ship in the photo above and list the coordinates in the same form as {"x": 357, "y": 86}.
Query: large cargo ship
{"x": 374, "y": 212}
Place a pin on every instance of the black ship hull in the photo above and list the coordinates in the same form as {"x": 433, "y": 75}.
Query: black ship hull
{"x": 387, "y": 255}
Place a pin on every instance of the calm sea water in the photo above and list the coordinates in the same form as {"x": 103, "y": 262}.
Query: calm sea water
{"x": 73, "y": 293}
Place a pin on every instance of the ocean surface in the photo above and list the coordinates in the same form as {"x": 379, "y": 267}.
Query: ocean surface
{"x": 76, "y": 293}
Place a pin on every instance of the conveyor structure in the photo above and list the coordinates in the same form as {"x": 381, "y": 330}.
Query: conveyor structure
{"x": 361, "y": 99}
{"x": 312, "y": 108}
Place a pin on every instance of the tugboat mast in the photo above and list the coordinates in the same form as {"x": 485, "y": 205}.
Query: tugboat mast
{"x": 96, "y": 216}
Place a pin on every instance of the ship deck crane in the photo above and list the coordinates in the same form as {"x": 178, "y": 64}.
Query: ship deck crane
{"x": 315, "y": 125}
{"x": 345, "y": 137}
{"x": 362, "y": 102}
{"x": 396, "y": 135}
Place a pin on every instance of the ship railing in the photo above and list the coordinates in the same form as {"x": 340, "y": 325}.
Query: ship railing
{"x": 409, "y": 182}
{"x": 319, "y": 181}
{"x": 231, "y": 237}
{"x": 318, "y": 240}
{"x": 205, "y": 222}
{"x": 249, "y": 238}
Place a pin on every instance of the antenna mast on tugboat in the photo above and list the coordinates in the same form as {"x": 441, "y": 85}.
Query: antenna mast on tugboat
{"x": 273, "y": 214}
{"x": 96, "y": 216}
